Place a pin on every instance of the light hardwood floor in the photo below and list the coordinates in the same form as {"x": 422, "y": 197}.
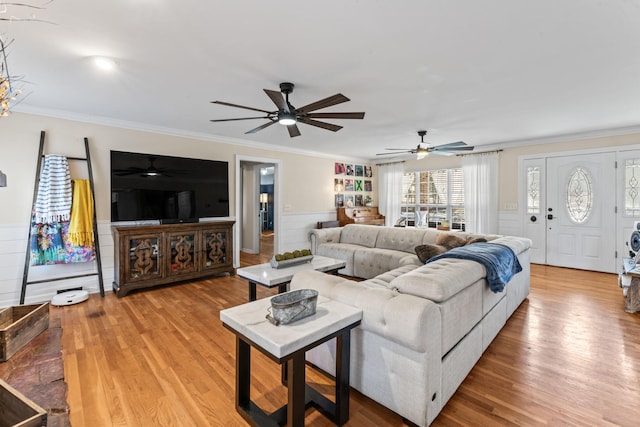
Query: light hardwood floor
{"x": 569, "y": 355}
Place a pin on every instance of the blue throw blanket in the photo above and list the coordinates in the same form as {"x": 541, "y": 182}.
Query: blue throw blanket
{"x": 499, "y": 260}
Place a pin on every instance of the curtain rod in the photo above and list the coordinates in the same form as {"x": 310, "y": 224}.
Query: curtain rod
{"x": 390, "y": 163}
{"x": 480, "y": 152}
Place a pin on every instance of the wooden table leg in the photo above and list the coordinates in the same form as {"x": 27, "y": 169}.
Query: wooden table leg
{"x": 297, "y": 386}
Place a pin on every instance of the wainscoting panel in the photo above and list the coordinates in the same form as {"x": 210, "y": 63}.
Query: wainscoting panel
{"x": 13, "y": 244}
{"x": 295, "y": 229}
{"x": 509, "y": 223}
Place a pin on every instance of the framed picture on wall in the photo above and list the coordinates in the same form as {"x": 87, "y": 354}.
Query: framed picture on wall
{"x": 368, "y": 171}
{"x": 358, "y": 200}
{"x": 348, "y": 185}
{"x": 359, "y": 170}
{"x": 349, "y": 169}
{"x": 357, "y": 185}
{"x": 348, "y": 200}
{"x": 339, "y": 169}
{"x": 338, "y": 185}
{"x": 367, "y": 185}
{"x": 339, "y": 200}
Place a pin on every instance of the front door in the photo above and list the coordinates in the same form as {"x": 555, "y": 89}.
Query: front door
{"x": 580, "y": 212}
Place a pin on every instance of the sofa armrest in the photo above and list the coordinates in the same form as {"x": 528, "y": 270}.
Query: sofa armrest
{"x": 408, "y": 320}
{"x": 324, "y": 235}
{"x": 517, "y": 244}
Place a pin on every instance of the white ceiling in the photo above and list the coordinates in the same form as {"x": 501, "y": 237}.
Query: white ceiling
{"x": 490, "y": 72}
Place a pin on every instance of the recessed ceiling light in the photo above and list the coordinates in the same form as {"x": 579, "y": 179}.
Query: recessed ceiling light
{"x": 103, "y": 63}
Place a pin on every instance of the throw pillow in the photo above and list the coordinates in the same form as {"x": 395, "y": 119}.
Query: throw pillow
{"x": 426, "y": 252}
{"x": 450, "y": 241}
{"x": 476, "y": 240}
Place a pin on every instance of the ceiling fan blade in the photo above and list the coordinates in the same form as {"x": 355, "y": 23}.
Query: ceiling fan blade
{"x": 323, "y": 103}
{"x": 401, "y": 149}
{"x": 241, "y": 118}
{"x": 336, "y": 115}
{"x": 441, "y": 148}
{"x": 293, "y": 131}
{"x": 228, "y": 104}
{"x": 322, "y": 125}
{"x": 277, "y": 99}
{"x": 131, "y": 172}
{"x": 454, "y": 144}
{"x": 259, "y": 128}
{"x": 393, "y": 154}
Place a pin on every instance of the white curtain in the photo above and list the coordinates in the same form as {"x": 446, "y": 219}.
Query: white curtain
{"x": 480, "y": 174}
{"x": 390, "y": 191}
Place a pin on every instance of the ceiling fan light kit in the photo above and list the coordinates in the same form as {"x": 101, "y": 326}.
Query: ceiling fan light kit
{"x": 286, "y": 118}
{"x": 289, "y": 116}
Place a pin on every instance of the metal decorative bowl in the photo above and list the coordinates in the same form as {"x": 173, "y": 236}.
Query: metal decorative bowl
{"x": 292, "y": 306}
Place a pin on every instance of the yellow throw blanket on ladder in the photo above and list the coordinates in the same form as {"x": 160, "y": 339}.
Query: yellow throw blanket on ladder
{"x": 81, "y": 225}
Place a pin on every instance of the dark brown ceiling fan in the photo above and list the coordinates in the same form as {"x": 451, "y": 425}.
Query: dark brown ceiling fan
{"x": 149, "y": 171}
{"x": 289, "y": 116}
{"x": 423, "y": 149}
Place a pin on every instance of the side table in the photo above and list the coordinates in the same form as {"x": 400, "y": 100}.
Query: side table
{"x": 269, "y": 277}
{"x": 288, "y": 344}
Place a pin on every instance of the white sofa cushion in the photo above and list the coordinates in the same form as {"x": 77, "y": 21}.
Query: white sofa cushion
{"x": 360, "y": 235}
{"x": 370, "y": 262}
{"x": 440, "y": 280}
{"x": 342, "y": 251}
{"x": 399, "y": 239}
{"x": 385, "y": 279}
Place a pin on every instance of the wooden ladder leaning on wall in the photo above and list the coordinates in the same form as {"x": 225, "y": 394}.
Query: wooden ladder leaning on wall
{"x": 27, "y": 260}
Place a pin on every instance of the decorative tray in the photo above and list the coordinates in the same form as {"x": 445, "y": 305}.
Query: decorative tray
{"x": 290, "y": 262}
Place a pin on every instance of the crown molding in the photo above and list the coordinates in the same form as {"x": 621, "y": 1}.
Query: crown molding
{"x": 143, "y": 127}
{"x": 567, "y": 137}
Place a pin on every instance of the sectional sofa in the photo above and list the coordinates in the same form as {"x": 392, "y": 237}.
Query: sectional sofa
{"x": 424, "y": 325}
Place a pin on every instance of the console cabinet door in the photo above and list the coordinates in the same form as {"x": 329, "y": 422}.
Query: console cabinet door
{"x": 182, "y": 251}
{"x": 216, "y": 249}
{"x": 144, "y": 257}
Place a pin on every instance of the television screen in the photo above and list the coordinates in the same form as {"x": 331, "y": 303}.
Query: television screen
{"x": 167, "y": 188}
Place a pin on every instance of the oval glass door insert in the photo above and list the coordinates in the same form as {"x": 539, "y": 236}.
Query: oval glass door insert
{"x": 579, "y": 195}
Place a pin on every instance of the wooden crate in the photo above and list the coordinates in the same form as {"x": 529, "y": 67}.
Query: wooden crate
{"x": 17, "y": 410}
{"x": 19, "y": 325}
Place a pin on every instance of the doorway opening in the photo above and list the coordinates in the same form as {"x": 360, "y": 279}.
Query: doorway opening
{"x": 257, "y": 207}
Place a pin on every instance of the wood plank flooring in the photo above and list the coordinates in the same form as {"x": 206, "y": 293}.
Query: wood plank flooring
{"x": 570, "y": 355}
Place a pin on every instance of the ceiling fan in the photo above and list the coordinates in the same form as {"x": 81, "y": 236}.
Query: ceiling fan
{"x": 149, "y": 171}
{"x": 423, "y": 149}
{"x": 288, "y": 115}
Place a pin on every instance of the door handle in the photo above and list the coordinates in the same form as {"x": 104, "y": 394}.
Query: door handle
{"x": 550, "y": 216}
{"x": 533, "y": 218}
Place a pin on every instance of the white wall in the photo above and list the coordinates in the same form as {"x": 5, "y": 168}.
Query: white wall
{"x": 306, "y": 190}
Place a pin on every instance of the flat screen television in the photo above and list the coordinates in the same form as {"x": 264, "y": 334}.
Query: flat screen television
{"x": 166, "y": 188}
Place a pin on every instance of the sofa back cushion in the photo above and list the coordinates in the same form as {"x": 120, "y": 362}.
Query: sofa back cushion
{"x": 363, "y": 235}
{"x": 430, "y": 235}
{"x": 399, "y": 239}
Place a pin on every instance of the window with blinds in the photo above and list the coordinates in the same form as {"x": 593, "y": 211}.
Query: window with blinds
{"x": 432, "y": 197}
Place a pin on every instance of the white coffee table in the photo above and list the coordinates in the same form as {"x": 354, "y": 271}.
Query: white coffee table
{"x": 267, "y": 276}
{"x": 288, "y": 344}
